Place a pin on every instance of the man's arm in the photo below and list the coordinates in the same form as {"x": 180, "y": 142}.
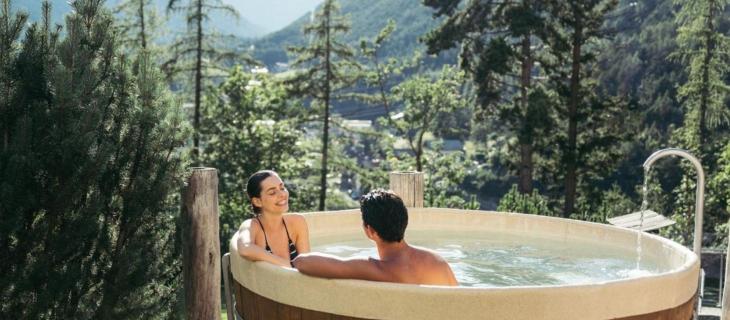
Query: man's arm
{"x": 328, "y": 266}
{"x": 243, "y": 243}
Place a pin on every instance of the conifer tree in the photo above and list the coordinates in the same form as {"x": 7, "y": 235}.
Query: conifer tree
{"x": 324, "y": 64}
{"x": 705, "y": 51}
{"x": 89, "y": 178}
{"x": 11, "y": 25}
{"x": 499, "y": 43}
{"x": 197, "y": 51}
{"x": 580, "y": 24}
{"x": 139, "y": 22}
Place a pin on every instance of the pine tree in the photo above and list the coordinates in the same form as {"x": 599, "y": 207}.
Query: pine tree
{"x": 325, "y": 62}
{"x": 499, "y": 43}
{"x": 10, "y": 28}
{"x": 197, "y": 52}
{"x": 88, "y": 179}
{"x": 705, "y": 50}
{"x": 139, "y": 22}
{"x": 580, "y": 24}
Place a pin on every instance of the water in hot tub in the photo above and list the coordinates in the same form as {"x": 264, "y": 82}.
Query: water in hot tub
{"x": 502, "y": 259}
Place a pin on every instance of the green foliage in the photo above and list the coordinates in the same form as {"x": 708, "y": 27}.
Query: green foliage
{"x": 705, "y": 50}
{"x": 501, "y": 44}
{"x": 682, "y": 231}
{"x": 718, "y": 200}
{"x": 327, "y": 64}
{"x": 139, "y": 23}
{"x": 424, "y": 98}
{"x": 89, "y": 178}
{"x": 532, "y": 203}
{"x": 445, "y": 173}
{"x": 610, "y": 203}
{"x": 249, "y": 124}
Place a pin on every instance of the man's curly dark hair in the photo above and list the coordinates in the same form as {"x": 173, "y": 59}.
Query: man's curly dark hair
{"x": 385, "y": 212}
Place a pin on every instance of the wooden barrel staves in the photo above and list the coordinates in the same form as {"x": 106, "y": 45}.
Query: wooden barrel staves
{"x": 409, "y": 186}
{"x": 201, "y": 245}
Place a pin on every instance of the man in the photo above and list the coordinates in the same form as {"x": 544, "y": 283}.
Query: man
{"x": 384, "y": 221}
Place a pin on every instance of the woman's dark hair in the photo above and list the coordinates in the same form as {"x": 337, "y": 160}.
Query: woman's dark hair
{"x": 385, "y": 212}
{"x": 253, "y": 186}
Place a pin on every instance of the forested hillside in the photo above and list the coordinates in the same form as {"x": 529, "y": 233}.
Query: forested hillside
{"x": 367, "y": 18}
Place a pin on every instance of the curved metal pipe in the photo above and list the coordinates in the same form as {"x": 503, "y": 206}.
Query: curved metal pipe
{"x": 699, "y": 194}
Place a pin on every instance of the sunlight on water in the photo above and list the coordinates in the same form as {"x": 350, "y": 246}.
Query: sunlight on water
{"x": 503, "y": 260}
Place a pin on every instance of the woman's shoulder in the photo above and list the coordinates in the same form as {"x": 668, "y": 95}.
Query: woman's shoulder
{"x": 246, "y": 224}
{"x": 296, "y": 218}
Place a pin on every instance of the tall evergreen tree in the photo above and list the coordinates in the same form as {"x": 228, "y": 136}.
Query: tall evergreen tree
{"x": 139, "y": 22}
{"x": 11, "y": 26}
{"x": 88, "y": 178}
{"x": 581, "y": 24}
{"x": 705, "y": 50}
{"x": 499, "y": 43}
{"x": 324, "y": 64}
{"x": 198, "y": 51}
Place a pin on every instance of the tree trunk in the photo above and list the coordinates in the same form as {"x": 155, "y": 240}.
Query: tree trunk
{"x": 570, "y": 153}
{"x": 142, "y": 35}
{"x": 326, "y": 120}
{"x": 705, "y": 89}
{"x": 201, "y": 245}
{"x": 526, "y": 164}
{"x": 198, "y": 79}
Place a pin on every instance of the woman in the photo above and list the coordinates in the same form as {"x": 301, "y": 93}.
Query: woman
{"x": 271, "y": 235}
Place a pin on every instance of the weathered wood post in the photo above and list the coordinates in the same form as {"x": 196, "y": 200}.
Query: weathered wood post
{"x": 409, "y": 186}
{"x": 201, "y": 245}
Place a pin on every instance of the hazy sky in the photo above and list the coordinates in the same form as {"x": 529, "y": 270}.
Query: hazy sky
{"x": 273, "y": 15}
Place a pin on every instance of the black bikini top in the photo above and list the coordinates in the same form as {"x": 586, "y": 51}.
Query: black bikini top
{"x": 292, "y": 248}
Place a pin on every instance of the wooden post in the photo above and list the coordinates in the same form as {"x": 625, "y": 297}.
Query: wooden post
{"x": 201, "y": 245}
{"x": 409, "y": 186}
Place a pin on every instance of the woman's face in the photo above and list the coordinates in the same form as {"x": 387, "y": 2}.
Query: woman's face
{"x": 274, "y": 196}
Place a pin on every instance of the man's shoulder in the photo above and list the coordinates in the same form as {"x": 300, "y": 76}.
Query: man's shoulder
{"x": 429, "y": 256}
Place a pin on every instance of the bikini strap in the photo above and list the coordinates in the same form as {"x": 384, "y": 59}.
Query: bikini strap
{"x": 287, "y": 230}
{"x": 264, "y": 230}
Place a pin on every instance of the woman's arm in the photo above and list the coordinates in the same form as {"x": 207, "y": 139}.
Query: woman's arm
{"x": 243, "y": 241}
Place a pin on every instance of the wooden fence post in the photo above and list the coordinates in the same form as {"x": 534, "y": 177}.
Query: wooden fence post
{"x": 201, "y": 245}
{"x": 409, "y": 186}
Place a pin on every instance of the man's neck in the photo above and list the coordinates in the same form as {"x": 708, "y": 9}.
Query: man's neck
{"x": 391, "y": 250}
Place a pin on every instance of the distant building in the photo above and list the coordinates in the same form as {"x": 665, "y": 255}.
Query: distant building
{"x": 259, "y": 70}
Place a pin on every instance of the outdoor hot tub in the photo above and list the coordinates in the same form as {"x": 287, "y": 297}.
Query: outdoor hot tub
{"x": 265, "y": 291}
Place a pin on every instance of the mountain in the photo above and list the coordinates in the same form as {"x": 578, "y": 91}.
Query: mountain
{"x": 367, "y": 18}
{"x": 273, "y": 15}
{"x": 176, "y": 22}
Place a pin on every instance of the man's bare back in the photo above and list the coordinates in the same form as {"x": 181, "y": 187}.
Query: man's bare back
{"x": 417, "y": 266}
{"x": 399, "y": 261}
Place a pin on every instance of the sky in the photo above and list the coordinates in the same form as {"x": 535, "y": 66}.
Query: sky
{"x": 272, "y": 15}
{"x": 269, "y": 15}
